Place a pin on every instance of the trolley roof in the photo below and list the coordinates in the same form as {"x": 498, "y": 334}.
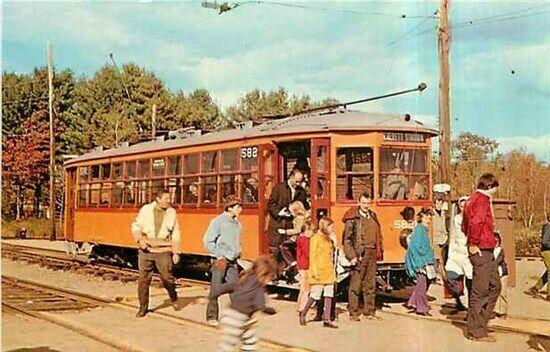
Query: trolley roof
{"x": 338, "y": 120}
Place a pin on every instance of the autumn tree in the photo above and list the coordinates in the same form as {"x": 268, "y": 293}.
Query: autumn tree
{"x": 26, "y": 95}
{"x": 525, "y": 180}
{"x": 471, "y": 154}
{"x": 25, "y": 160}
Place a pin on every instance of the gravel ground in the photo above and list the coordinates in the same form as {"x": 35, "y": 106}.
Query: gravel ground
{"x": 26, "y": 334}
{"x": 394, "y": 333}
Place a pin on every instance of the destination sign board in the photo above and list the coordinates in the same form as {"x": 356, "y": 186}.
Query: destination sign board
{"x": 404, "y": 137}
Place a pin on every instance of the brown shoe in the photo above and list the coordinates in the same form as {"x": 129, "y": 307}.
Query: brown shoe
{"x": 318, "y": 318}
{"x": 141, "y": 313}
{"x": 487, "y": 338}
{"x": 354, "y": 318}
{"x": 532, "y": 291}
{"x": 329, "y": 324}
{"x": 373, "y": 317}
{"x": 303, "y": 319}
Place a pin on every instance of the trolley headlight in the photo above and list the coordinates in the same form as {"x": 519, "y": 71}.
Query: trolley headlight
{"x": 405, "y": 238}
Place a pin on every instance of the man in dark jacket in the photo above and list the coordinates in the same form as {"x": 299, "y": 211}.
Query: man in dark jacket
{"x": 545, "y": 252}
{"x": 363, "y": 247}
{"x": 282, "y": 195}
{"x": 479, "y": 227}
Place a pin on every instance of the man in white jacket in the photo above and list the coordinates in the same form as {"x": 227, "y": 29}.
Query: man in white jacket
{"x": 156, "y": 231}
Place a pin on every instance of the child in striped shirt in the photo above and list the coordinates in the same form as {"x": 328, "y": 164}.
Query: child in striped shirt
{"x": 247, "y": 297}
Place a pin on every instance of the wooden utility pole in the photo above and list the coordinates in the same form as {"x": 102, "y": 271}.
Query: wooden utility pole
{"x": 444, "y": 43}
{"x": 154, "y": 122}
{"x": 49, "y": 63}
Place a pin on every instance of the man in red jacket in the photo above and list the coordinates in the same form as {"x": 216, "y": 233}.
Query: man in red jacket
{"x": 478, "y": 225}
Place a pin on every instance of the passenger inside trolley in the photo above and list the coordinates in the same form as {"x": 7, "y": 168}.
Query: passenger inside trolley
{"x": 250, "y": 192}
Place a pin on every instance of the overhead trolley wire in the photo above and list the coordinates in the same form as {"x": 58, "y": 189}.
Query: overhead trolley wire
{"x": 410, "y": 31}
{"x": 324, "y": 8}
{"x": 502, "y": 16}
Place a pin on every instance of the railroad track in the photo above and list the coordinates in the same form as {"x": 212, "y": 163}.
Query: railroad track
{"x": 39, "y": 301}
{"x": 56, "y": 260}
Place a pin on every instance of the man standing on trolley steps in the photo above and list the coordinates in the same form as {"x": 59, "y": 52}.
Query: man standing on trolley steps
{"x": 223, "y": 242}
{"x": 156, "y": 230}
{"x": 282, "y": 195}
{"x": 280, "y": 218}
{"x": 362, "y": 247}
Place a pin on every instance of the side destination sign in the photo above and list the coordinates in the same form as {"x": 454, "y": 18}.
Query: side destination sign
{"x": 404, "y": 137}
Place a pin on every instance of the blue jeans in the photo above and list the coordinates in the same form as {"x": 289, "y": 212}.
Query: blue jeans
{"x": 219, "y": 277}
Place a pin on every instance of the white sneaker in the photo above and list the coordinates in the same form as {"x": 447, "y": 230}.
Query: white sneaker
{"x": 213, "y": 322}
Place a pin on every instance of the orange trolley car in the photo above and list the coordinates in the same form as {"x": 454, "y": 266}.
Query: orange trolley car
{"x": 347, "y": 152}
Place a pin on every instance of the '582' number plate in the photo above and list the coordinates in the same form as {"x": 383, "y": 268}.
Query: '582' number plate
{"x": 249, "y": 152}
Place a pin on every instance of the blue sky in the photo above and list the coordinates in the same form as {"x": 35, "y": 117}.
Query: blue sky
{"x": 347, "y": 50}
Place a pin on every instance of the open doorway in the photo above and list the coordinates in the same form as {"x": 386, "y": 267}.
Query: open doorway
{"x": 311, "y": 156}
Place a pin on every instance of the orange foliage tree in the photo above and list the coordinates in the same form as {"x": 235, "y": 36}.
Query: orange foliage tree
{"x": 25, "y": 160}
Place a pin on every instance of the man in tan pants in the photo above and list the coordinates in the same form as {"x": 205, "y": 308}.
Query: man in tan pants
{"x": 157, "y": 232}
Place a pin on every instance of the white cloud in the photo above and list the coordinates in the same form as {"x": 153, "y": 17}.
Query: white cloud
{"x": 539, "y": 145}
{"x": 73, "y": 21}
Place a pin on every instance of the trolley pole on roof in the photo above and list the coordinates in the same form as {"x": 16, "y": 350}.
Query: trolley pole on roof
{"x": 154, "y": 121}
{"x": 52, "y": 149}
{"x": 444, "y": 43}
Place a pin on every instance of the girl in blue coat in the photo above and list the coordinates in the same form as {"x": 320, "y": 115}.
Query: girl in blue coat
{"x": 419, "y": 263}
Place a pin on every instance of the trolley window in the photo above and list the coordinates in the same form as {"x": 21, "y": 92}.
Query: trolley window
{"x": 159, "y": 167}
{"x": 84, "y": 172}
{"x": 354, "y": 172}
{"x": 209, "y": 162}
{"x": 144, "y": 168}
{"x": 404, "y": 174}
{"x": 174, "y": 165}
{"x": 230, "y": 160}
{"x": 248, "y": 181}
{"x": 105, "y": 171}
{"x": 95, "y": 172}
{"x": 209, "y": 189}
{"x": 130, "y": 169}
{"x": 190, "y": 190}
{"x": 191, "y": 164}
{"x": 117, "y": 171}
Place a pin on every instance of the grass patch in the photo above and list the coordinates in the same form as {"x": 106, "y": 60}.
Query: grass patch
{"x": 36, "y": 228}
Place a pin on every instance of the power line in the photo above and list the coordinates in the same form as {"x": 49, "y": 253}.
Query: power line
{"x": 227, "y": 6}
{"x": 501, "y": 19}
{"x": 477, "y": 20}
{"x": 488, "y": 20}
{"x": 410, "y": 31}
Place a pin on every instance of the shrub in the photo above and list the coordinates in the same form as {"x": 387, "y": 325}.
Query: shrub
{"x": 528, "y": 242}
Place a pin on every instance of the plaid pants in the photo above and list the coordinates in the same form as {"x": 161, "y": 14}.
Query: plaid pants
{"x": 237, "y": 328}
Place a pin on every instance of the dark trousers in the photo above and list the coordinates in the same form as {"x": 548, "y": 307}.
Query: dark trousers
{"x": 484, "y": 293}
{"x": 219, "y": 276}
{"x": 363, "y": 282}
{"x": 286, "y": 249}
{"x": 147, "y": 263}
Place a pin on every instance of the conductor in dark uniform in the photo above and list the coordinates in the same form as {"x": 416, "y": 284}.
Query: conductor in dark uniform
{"x": 282, "y": 195}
